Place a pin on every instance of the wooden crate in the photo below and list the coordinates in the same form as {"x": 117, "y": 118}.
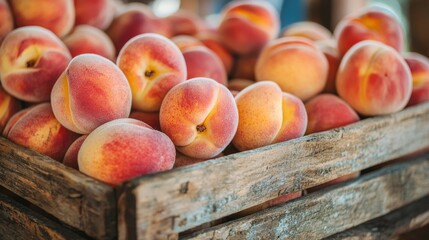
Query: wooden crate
{"x": 190, "y": 202}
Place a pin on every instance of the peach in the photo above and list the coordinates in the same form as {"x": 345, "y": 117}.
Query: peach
{"x": 38, "y": 129}
{"x": 6, "y": 19}
{"x": 327, "y": 111}
{"x": 267, "y": 115}
{"x": 123, "y": 149}
{"x": 55, "y": 15}
{"x": 312, "y": 30}
{"x": 213, "y": 42}
{"x": 374, "y": 79}
{"x": 8, "y": 107}
{"x": 200, "y": 116}
{"x": 184, "y": 22}
{"x": 134, "y": 20}
{"x": 70, "y": 157}
{"x": 89, "y": 39}
{"x": 31, "y": 60}
{"x": 96, "y": 13}
{"x": 244, "y": 66}
{"x": 203, "y": 62}
{"x": 419, "y": 67}
{"x": 153, "y": 64}
{"x": 91, "y": 91}
{"x": 329, "y": 48}
{"x": 296, "y": 64}
{"x": 372, "y": 23}
{"x": 150, "y": 118}
{"x": 186, "y": 41}
{"x": 247, "y": 26}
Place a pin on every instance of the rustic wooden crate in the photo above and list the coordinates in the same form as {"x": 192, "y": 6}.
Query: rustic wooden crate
{"x": 168, "y": 204}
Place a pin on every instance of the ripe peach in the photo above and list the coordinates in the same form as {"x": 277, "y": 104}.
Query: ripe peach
{"x": 153, "y": 64}
{"x": 89, "y": 39}
{"x": 70, "y": 157}
{"x": 96, "y": 13}
{"x": 374, "y": 79}
{"x": 91, "y": 91}
{"x": 203, "y": 62}
{"x": 246, "y": 26}
{"x": 186, "y": 41}
{"x": 184, "y": 22}
{"x": 31, "y": 60}
{"x": 296, "y": 64}
{"x": 329, "y": 48}
{"x": 122, "y": 149}
{"x": 267, "y": 115}
{"x": 373, "y": 23}
{"x": 213, "y": 42}
{"x": 38, "y": 129}
{"x": 327, "y": 111}
{"x": 308, "y": 29}
{"x": 200, "y": 116}
{"x": 419, "y": 66}
{"x": 8, "y": 107}
{"x": 6, "y": 19}
{"x": 150, "y": 118}
{"x": 55, "y": 15}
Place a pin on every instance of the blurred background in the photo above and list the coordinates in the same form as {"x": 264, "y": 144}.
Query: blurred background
{"x": 413, "y": 13}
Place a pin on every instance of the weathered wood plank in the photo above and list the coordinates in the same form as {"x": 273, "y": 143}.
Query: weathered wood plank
{"x": 174, "y": 201}
{"x": 413, "y": 216}
{"x": 336, "y": 209}
{"x": 65, "y": 193}
{"x": 19, "y": 222}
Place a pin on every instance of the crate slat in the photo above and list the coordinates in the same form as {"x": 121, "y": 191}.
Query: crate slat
{"x": 165, "y": 204}
{"x": 336, "y": 209}
{"x": 65, "y": 193}
{"x": 390, "y": 226}
{"x": 19, "y": 222}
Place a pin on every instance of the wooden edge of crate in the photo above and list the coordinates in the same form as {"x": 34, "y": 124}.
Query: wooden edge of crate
{"x": 19, "y": 222}
{"x": 413, "y": 216}
{"x": 333, "y": 210}
{"x": 190, "y": 196}
{"x": 75, "y": 199}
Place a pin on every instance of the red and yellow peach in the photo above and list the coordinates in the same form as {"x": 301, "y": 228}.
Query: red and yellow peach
{"x": 96, "y": 13}
{"x": 419, "y": 67}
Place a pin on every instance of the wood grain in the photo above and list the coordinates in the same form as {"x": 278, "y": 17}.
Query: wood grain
{"x": 327, "y": 212}
{"x": 392, "y": 225}
{"x": 65, "y": 193}
{"x": 19, "y": 222}
{"x": 171, "y": 202}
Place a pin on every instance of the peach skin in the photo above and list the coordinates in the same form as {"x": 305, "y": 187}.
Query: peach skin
{"x": 55, "y": 15}
{"x": 267, "y": 115}
{"x": 96, "y": 13}
{"x": 245, "y": 27}
{"x": 296, "y": 64}
{"x": 374, "y": 79}
{"x": 153, "y": 64}
{"x": 123, "y": 149}
{"x": 186, "y": 41}
{"x": 329, "y": 48}
{"x": 8, "y": 107}
{"x": 200, "y": 116}
{"x": 6, "y": 19}
{"x": 70, "y": 157}
{"x": 312, "y": 30}
{"x": 184, "y": 22}
{"x": 31, "y": 60}
{"x": 91, "y": 91}
{"x": 213, "y": 42}
{"x": 419, "y": 67}
{"x": 38, "y": 129}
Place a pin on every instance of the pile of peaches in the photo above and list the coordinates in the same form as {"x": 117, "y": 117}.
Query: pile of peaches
{"x": 116, "y": 92}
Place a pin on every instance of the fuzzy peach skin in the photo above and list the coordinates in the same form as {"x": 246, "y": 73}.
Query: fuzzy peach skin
{"x": 372, "y": 23}
{"x": 186, "y": 41}
{"x": 419, "y": 67}
{"x": 247, "y": 26}
{"x": 296, "y": 64}
{"x": 38, "y": 129}
{"x": 150, "y": 118}
{"x": 184, "y": 22}
{"x": 55, "y": 15}
{"x": 329, "y": 48}
{"x": 90, "y": 92}
{"x": 8, "y": 107}
{"x": 327, "y": 111}
{"x": 308, "y": 29}
{"x": 200, "y": 116}
{"x": 31, "y": 60}
{"x": 70, "y": 157}
{"x": 267, "y": 115}
{"x": 123, "y": 149}
{"x": 374, "y": 79}
{"x": 89, "y": 39}
{"x": 6, "y": 19}
{"x": 213, "y": 42}
{"x": 153, "y": 64}
{"x": 203, "y": 62}
{"x": 96, "y": 13}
